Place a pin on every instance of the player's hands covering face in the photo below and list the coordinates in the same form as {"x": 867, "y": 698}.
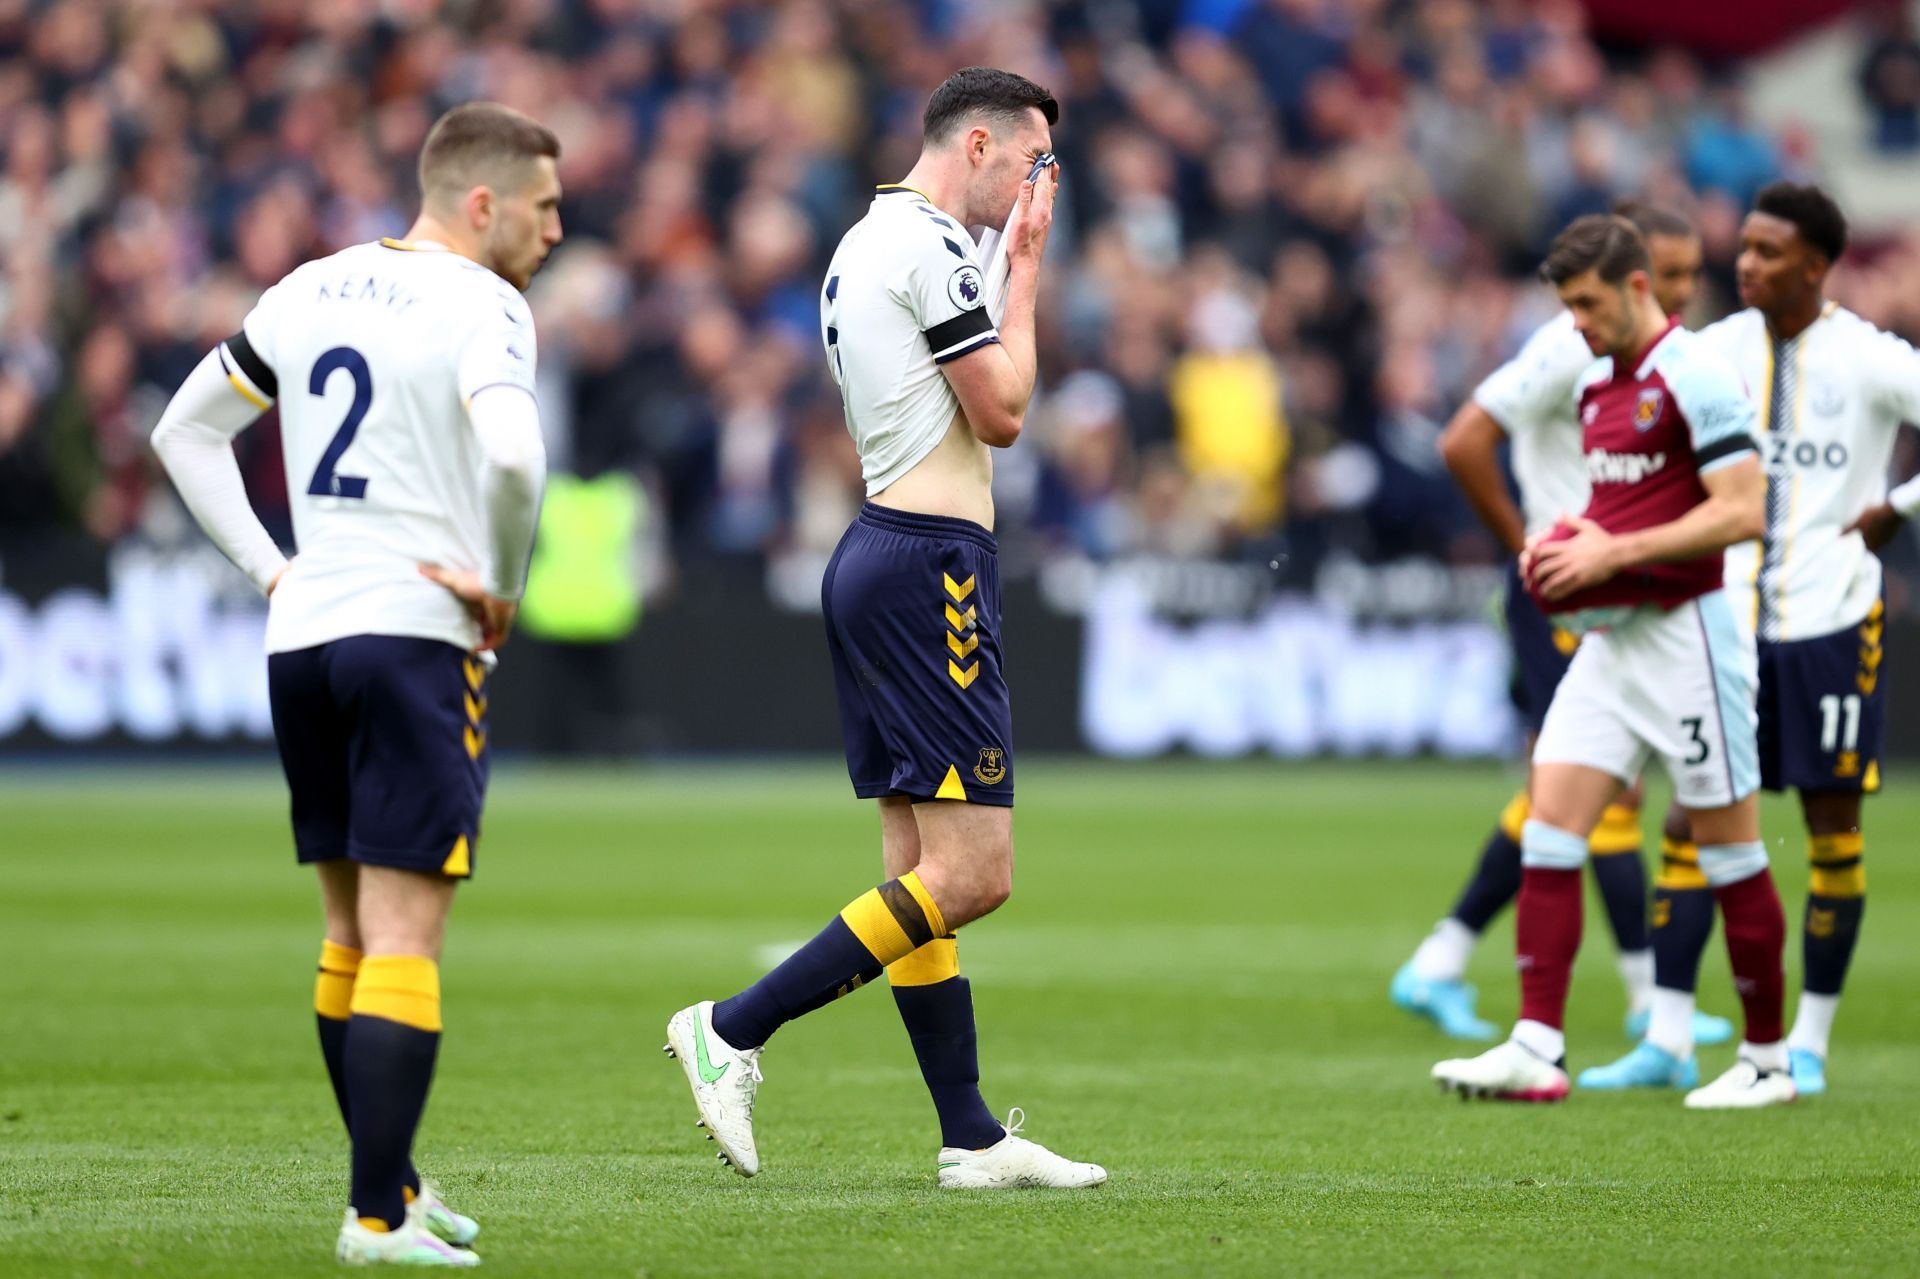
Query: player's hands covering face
{"x": 1032, "y": 218}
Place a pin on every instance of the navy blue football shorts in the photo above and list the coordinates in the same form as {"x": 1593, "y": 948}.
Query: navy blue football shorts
{"x": 384, "y": 743}
{"x": 1541, "y": 651}
{"x": 912, "y": 605}
{"x": 1823, "y": 710}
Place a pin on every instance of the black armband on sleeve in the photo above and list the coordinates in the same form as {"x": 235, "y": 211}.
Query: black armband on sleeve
{"x": 248, "y": 361}
{"x": 962, "y": 333}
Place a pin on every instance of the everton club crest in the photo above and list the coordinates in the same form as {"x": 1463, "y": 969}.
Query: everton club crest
{"x": 992, "y": 767}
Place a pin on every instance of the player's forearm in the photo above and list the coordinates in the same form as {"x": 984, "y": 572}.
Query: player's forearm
{"x": 1475, "y": 465}
{"x": 1017, "y": 337}
{"x": 1714, "y": 525}
{"x": 513, "y": 475}
{"x": 194, "y": 441}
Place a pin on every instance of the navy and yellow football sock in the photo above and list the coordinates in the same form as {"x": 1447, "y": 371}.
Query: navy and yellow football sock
{"x": 392, "y": 1040}
{"x": 1682, "y": 916}
{"x": 880, "y": 926}
{"x": 1836, "y": 901}
{"x": 936, "y": 1004}
{"x": 1621, "y": 875}
{"x": 1496, "y": 878}
{"x": 332, "y": 1006}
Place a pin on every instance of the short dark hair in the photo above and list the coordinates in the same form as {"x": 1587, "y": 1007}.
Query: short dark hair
{"x": 481, "y": 143}
{"x": 1602, "y": 242}
{"x": 983, "y": 91}
{"x": 1812, "y": 211}
{"x": 1653, "y": 219}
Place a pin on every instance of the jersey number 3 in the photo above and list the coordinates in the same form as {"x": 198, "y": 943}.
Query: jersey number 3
{"x": 326, "y": 483}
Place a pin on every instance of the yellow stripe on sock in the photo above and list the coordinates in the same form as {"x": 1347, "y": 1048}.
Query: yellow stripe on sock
{"x": 333, "y": 988}
{"x": 935, "y": 962}
{"x": 402, "y": 988}
{"x": 1824, "y": 850}
{"x": 1837, "y": 869}
{"x": 1618, "y": 832}
{"x": 911, "y": 882}
{"x": 376, "y": 1225}
{"x": 1513, "y": 818}
{"x": 1851, "y": 882}
{"x": 873, "y": 923}
{"x": 1679, "y": 866}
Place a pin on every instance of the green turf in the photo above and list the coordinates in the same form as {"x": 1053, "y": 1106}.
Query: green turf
{"x": 1188, "y": 986}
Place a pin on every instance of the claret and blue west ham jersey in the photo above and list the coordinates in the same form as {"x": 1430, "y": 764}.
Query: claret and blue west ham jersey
{"x": 1650, "y": 431}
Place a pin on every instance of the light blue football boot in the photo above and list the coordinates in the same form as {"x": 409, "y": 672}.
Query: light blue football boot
{"x": 1447, "y": 1004}
{"x": 1645, "y": 1067}
{"x": 1707, "y": 1029}
{"x": 1809, "y": 1071}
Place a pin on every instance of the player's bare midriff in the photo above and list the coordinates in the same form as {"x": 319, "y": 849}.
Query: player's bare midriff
{"x": 956, "y": 479}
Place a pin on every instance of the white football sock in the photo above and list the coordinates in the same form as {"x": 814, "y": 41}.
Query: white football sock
{"x": 1670, "y": 1028}
{"x": 1541, "y": 1040}
{"x": 1636, "y": 974}
{"x": 1444, "y": 954}
{"x": 1813, "y": 1023}
{"x": 1771, "y": 1056}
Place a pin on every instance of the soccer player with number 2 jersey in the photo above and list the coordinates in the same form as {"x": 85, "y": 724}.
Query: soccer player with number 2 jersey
{"x": 403, "y": 371}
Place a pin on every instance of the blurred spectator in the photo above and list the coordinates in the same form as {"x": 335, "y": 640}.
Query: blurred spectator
{"x": 1292, "y": 235}
{"x": 1890, "y": 81}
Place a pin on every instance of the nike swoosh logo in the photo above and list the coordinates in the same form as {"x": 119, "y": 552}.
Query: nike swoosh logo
{"x": 708, "y": 1075}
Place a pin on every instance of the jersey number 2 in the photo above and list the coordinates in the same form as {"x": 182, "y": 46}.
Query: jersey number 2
{"x": 325, "y": 482}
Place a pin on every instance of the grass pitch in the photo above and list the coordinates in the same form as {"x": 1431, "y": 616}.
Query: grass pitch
{"x": 1188, "y": 986}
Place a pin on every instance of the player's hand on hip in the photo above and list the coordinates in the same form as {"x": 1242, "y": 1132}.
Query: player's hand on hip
{"x": 493, "y": 615}
{"x": 1877, "y": 525}
{"x": 274, "y": 584}
{"x": 1574, "y": 563}
{"x": 1033, "y": 218}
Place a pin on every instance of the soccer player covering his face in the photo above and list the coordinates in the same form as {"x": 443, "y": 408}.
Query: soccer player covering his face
{"x": 403, "y": 371}
{"x": 931, "y": 383}
{"x": 1832, "y": 392}
{"x": 1530, "y": 401}
{"x": 1663, "y": 668}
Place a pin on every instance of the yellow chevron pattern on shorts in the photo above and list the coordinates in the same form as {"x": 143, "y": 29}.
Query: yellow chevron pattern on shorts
{"x": 962, "y": 637}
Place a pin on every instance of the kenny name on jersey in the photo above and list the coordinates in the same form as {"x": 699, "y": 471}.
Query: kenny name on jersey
{"x": 372, "y": 354}
{"x": 1831, "y": 401}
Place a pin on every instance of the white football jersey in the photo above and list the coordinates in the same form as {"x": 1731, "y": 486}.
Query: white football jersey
{"x": 371, "y": 354}
{"x": 1831, "y": 402}
{"x": 903, "y": 295}
{"x": 1532, "y": 397}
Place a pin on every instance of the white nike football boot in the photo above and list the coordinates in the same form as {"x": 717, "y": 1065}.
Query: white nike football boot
{"x": 724, "y": 1080}
{"x": 1744, "y": 1087}
{"x": 1505, "y": 1072}
{"x": 1014, "y": 1163}
{"x": 432, "y": 1212}
{"x": 412, "y": 1244}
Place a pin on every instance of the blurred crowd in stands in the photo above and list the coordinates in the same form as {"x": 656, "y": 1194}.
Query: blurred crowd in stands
{"x": 1292, "y": 235}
